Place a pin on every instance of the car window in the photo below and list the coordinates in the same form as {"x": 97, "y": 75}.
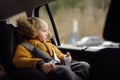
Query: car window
{"x": 12, "y": 19}
{"x": 77, "y": 19}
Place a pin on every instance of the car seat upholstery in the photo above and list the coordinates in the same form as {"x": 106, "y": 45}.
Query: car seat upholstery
{"x": 8, "y": 42}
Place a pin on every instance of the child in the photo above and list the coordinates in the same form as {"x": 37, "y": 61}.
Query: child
{"x": 35, "y": 31}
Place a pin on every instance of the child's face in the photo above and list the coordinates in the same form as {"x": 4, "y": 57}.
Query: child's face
{"x": 43, "y": 33}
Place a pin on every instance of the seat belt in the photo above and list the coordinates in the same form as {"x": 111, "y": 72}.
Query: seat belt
{"x": 36, "y": 51}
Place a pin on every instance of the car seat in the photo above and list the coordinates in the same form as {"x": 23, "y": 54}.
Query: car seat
{"x": 8, "y": 42}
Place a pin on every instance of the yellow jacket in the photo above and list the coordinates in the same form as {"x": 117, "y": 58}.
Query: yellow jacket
{"x": 23, "y": 58}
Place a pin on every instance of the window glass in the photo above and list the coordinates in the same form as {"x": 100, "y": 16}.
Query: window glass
{"x": 78, "y": 19}
{"x": 12, "y": 19}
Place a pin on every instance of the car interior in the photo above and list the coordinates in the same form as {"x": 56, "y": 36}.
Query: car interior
{"x": 104, "y": 61}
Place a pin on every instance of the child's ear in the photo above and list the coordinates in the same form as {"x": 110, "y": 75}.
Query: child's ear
{"x": 49, "y": 35}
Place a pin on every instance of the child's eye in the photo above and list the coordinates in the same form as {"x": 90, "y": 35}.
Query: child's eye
{"x": 44, "y": 30}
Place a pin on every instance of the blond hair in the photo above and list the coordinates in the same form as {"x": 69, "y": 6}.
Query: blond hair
{"x": 28, "y": 28}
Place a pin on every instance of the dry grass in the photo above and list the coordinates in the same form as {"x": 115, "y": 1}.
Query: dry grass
{"x": 90, "y": 22}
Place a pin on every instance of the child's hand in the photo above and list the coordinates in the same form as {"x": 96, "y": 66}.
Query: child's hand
{"x": 68, "y": 56}
{"x": 47, "y": 67}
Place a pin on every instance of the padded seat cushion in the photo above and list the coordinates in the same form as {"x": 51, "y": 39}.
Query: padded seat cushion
{"x": 8, "y": 42}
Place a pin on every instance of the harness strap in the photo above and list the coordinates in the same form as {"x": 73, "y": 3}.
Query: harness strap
{"x": 36, "y": 51}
